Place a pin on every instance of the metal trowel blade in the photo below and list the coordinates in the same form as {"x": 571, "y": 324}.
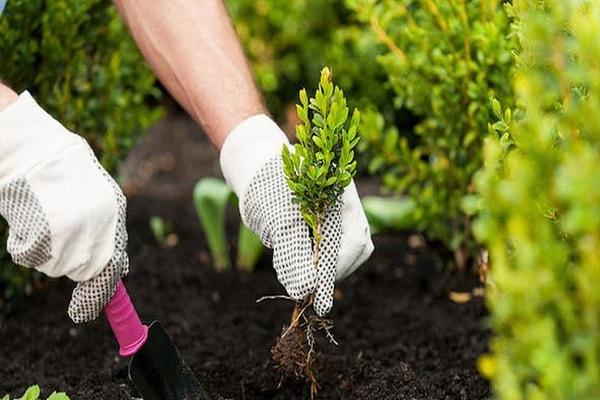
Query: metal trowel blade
{"x": 159, "y": 373}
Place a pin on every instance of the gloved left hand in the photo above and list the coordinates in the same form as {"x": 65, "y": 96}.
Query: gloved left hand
{"x": 66, "y": 215}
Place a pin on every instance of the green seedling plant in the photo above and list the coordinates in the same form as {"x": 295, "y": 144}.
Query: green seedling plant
{"x": 318, "y": 169}
{"x": 163, "y": 232}
{"x": 33, "y": 393}
{"x": 322, "y": 163}
{"x": 211, "y": 198}
{"x": 249, "y": 249}
{"x": 388, "y": 214}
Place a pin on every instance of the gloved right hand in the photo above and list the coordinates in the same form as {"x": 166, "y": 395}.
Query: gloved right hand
{"x": 66, "y": 215}
{"x": 252, "y": 165}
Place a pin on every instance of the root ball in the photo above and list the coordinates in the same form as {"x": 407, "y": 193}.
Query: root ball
{"x": 290, "y": 352}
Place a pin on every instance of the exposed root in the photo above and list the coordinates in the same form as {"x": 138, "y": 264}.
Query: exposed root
{"x": 295, "y": 350}
{"x": 279, "y": 296}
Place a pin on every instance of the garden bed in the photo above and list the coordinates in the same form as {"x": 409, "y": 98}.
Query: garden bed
{"x": 400, "y": 337}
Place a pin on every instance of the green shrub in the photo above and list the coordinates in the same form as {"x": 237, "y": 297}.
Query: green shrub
{"x": 444, "y": 60}
{"x": 288, "y": 42}
{"x": 541, "y": 211}
{"x": 78, "y": 61}
{"x": 422, "y": 71}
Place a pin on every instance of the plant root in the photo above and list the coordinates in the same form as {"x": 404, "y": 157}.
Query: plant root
{"x": 295, "y": 352}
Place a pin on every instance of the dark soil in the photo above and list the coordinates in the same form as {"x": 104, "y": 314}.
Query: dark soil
{"x": 400, "y": 337}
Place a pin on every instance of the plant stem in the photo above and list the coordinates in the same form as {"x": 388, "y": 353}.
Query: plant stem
{"x": 317, "y": 239}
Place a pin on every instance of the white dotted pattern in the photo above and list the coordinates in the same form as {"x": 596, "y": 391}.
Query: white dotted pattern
{"x": 268, "y": 210}
{"x": 90, "y": 297}
{"x": 29, "y": 241}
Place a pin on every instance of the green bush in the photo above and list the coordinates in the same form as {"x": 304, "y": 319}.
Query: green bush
{"x": 422, "y": 71}
{"x": 78, "y": 61}
{"x": 444, "y": 61}
{"x": 541, "y": 211}
{"x": 288, "y": 42}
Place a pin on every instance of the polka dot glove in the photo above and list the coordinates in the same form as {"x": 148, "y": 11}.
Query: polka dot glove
{"x": 252, "y": 165}
{"x": 66, "y": 215}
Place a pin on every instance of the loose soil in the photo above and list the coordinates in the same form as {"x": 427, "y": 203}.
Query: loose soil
{"x": 400, "y": 336}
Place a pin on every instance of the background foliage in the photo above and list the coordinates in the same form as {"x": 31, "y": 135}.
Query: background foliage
{"x": 541, "y": 211}
{"x": 444, "y": 61}
{"x": 288, "y": 42}
{"x": 77, "y": 60}
{"x": 423, "y": 72}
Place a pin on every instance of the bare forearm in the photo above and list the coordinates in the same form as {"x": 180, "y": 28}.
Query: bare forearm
{"x": 7, "y": 96}
{"x": 194, "y": 51}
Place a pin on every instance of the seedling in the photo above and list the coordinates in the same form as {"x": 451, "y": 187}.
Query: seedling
{"x": 211, "y": 197}
{"x": 318, "y": 169}
{"x": 33, "y": 393}
{"x": 163, "y": 232}
{"x": 250, "y": 249}
{"x": 387, "y": 214}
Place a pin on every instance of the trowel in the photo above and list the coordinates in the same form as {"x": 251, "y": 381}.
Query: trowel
{"x": 156, "y": 368}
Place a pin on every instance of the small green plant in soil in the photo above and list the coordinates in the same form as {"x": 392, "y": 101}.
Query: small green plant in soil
{"x": 388, "y": 214}
{"x": 318, "y": 169}
{"x": 211, "y": 197}
{"x": 33, "y": 393}
{"x": 163, "y": 232}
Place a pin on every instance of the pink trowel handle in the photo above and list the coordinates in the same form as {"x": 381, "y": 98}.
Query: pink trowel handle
{"x": 125, "y": 322}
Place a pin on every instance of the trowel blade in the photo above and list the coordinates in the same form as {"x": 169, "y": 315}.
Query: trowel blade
{"x": 159, "y": 373}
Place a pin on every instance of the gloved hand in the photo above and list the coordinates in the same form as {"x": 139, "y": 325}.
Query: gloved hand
{"x": 66, "y": 215}
{"x": 251, "y": 163}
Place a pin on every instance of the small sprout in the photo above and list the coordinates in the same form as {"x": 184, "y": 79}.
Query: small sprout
{"x": 250, "y": 249}
{"x": 211, "y": 198}
{"x": 322, "y": 163}
{"x": 163, "y": 232}
{"x": 389, "y": 213}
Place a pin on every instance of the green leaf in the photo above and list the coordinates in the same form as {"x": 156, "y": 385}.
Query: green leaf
{"x": 211, "y": 196}
{"x": 58, "y": 396}
{"x": 389, "y": 213}
{"x": 302, "y": 114}
{"x": 303, "y": 98}
{"x": 330, "y": 181}
{"x": 32, "y": 393}
{"x": 318, "y": 142}
{"x": 497, "y": 108}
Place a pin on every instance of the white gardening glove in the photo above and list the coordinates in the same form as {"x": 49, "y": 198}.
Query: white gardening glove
{"x": 66, "y": 215}
{"x": 252, "y": 165}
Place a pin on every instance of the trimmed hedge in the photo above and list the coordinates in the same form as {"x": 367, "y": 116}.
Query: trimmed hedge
{"x": 541, "y": 211}
{"x": 444, "y": 60}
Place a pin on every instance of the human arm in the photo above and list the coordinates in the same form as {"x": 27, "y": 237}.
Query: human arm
{"x": 7, "y": 96}
{"x": 194, "y": 51}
